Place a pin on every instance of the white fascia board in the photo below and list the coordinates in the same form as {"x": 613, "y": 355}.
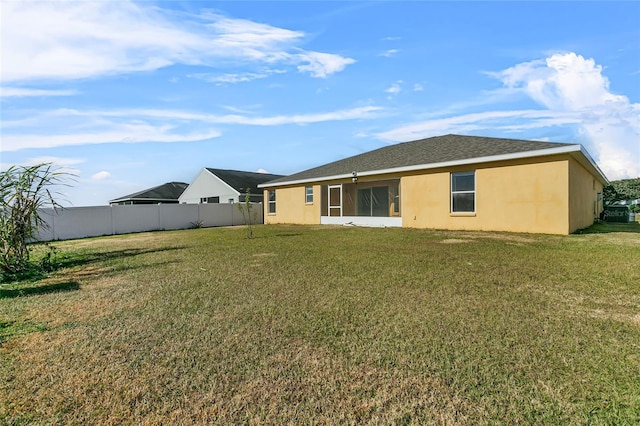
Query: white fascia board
{"x": 584, "y": 152}
{"x": 476, "y": 160}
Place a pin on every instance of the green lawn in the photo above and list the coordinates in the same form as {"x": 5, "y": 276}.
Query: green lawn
{"x": 318, "y": 325}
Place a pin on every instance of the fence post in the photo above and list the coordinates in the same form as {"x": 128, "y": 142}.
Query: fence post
{"x": 113, "y": 225}
{"x": 53, "y": 225}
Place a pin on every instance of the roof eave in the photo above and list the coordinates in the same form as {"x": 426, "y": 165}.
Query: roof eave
{"x": 594, "y": 167}
{"x": 565, "y": 149}
{"x": 160, "y": 200}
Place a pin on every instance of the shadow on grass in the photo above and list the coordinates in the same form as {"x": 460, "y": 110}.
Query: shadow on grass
{"x": 610, "y": 227}
{"x": 8, "y": 293}
{"x": 83, "y": 259}
{"x": 71, "y": 260}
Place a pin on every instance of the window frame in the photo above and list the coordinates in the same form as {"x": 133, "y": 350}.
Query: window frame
{"x": 308, "y": 197}
{"x": 271, "y": 202}
{"x": 453, "y": 193}
{"x": 210, "y": 200}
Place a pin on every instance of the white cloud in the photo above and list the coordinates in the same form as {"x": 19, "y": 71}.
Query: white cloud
{"x": 338, "y": 115}
{"x": 231, "y": 78}
{"x": 518, "y": 120}
{"x": 72, "y": 40}
{"x": 562, "y": 81}
{"x": 261, "y": 171}
{"x": 575, "y": 96}
{"x": 128, "y": 133}
{"x": 136, "y": 125}
{"x": 228, "y": 78}
{"x": 102, "y": 175}
{"x": 394, "y": 88}
{"x": 246, "y": 110}
{"x": 22, "y": 92}
{"x": 609, "y": 123}
{"x": 56, "y": 161}
{"x": 418, "y": 87}
{"x": 59, "y": 164}
{"x": 321, "y": 65}
{"x": 389, "y": 53}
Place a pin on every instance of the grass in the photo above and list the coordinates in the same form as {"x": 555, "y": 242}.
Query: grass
{"x": 317, "y": 325}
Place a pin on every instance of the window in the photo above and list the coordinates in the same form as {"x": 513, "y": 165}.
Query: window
{"x": 209, "y": 200}
{"x": 272, "y": 201}
{"x": 308, "y": 194}
{"x": 463, "y": 192}
{"x": 231, "y": 201}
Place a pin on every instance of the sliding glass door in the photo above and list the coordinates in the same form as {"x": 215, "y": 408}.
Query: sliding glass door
{"x": 373, "y": 201}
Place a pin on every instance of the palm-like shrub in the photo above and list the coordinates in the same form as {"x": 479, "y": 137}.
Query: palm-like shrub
{"x": 25, "y": 190}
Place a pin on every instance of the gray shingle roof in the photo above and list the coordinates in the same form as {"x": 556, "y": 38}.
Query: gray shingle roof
{"x": 439, "y": 149}
{"x": 164, "y": 192}
{"x": 240, "y": 180}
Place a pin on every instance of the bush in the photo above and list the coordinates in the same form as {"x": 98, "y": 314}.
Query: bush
{"x": 25, "y": 190}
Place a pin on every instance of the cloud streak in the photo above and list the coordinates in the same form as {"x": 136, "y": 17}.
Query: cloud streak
{"x": 74, "y": 40}
{"x": 23, "y": 92}
{"x": 136, "y": 125}
{"x": 128, "y": 133}
{"x": 501, "y": 120}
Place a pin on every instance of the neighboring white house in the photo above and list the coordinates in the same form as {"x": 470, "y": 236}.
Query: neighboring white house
{"x": 225, "y": 186}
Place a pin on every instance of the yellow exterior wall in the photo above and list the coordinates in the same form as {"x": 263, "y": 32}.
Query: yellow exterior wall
{"x": 291, "y": 206}
{"x": 515, "y": 196}
{"x": 520, "y": 195}
{"x": 583, "y": 202}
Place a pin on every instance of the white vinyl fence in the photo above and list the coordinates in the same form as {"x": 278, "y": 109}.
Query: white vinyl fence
{"x": 81, "y": 222}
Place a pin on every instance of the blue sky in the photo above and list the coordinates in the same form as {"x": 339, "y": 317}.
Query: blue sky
{"x": 129, "y": 95}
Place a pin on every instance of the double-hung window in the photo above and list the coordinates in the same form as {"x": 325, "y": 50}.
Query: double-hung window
{"x": 463, "y": 192}
{"x": 308, "y": 194}
{"x": 272, "y": 201}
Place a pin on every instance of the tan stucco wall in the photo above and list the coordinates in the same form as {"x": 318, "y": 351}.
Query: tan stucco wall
{"x": 584, "y": 189}
{"x": 292, "y": 208}
{"x": 522, "y": 195}
{"x": 515, "y": 196}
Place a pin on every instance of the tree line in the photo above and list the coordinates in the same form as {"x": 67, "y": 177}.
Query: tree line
{"x": 620, "y": 190}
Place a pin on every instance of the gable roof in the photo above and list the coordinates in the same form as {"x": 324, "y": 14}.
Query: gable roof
{"x": 240, "y": 180}
{"x": 169, "y": 191}
{"x": 439, "y": 151}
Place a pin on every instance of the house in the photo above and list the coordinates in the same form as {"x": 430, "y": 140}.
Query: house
{"x": 225, "y": 186}
{"x": 448, "y": 182}
{"x": 167, "y": 193}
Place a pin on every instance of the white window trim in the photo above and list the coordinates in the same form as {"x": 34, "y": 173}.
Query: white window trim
{"x": 306, "y": 195}
{"x": 452, "y": 192}
{"x": 269, "y": 202}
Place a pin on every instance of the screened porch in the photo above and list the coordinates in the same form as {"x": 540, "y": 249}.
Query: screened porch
{"x": 375, "y": 203}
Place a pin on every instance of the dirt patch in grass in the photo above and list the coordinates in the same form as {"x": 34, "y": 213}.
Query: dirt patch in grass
{"x": 454, "y": 241}
{"x": 515, "y": 238}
